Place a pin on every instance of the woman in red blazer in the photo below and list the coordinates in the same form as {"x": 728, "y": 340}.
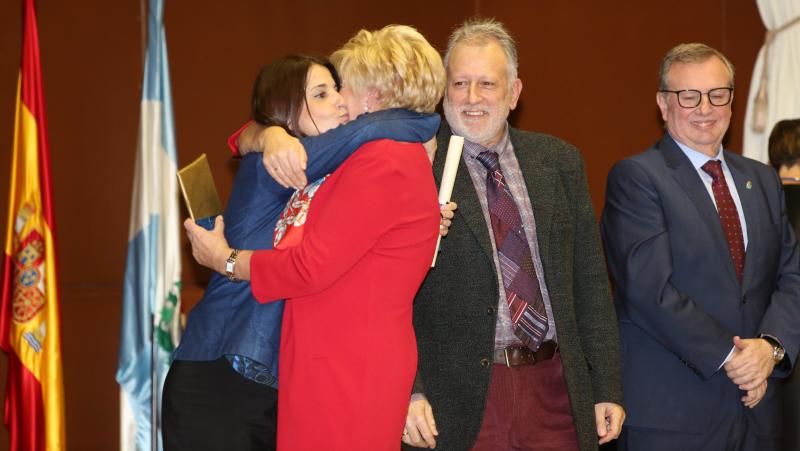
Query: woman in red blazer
{"x": 350, "y": 265}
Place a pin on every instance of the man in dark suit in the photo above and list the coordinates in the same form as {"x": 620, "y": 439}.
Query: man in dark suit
{"x": 706, "y": 271}
{"x": 525, "y": 234}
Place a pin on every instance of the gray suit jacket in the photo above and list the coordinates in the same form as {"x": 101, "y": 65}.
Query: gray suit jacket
{"x": 678, "y": 299}
{"x": 455, "y": 310}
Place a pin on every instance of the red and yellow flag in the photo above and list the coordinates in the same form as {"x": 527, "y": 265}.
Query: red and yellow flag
{"x": 29, "y": 319}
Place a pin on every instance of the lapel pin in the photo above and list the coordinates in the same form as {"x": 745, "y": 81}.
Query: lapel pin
{"x": 748, "y": 185}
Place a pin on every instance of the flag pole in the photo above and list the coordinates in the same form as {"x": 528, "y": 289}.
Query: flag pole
{"x": 145, "y": 14}
{"x": 153, "y": 350}
{"x": 153, "y": 385}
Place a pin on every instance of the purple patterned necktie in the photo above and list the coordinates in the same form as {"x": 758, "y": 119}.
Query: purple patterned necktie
{"x": 728, "y": 215}
{"x": 523, "y": 294}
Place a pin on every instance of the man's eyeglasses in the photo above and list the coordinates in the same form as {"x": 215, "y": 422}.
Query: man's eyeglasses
{"x": 691, "y": 98}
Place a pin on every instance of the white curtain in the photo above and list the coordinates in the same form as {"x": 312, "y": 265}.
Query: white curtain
{"x": 782, "y": 84}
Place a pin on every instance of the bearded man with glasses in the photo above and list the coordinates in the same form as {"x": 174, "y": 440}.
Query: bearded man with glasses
{"x": 707, "y": 274}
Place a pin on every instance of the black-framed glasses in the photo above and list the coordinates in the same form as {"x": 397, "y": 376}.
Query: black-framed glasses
{"x": 691, "y": 98}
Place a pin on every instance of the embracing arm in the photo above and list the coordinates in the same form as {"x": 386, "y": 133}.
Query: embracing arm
{"x": 245, "y": 139}
{"x": 347, "y": 227}
{"x": 640, "y": 259}
{"x": 292, "y": 162}
{"x": 328, "y": 150}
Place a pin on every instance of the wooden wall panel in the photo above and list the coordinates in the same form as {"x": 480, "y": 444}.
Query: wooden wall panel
{"x": 588, "y": 69}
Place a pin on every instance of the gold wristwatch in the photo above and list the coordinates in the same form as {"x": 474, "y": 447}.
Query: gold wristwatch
{"x": 230, "y": 265}
{"x": 777, "y": 350}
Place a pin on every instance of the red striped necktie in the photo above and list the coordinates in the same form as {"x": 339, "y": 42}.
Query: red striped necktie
{"x": 523, "y": 294}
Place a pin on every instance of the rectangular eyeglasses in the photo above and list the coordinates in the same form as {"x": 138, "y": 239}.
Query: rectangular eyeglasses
{"x": 691, "y": 98}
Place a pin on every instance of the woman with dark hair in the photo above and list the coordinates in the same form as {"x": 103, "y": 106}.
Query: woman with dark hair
{"x": 348, "y": 351}
{"x": 283, "y": 88}
{"x": 784, "y": 156}
{"x": 221, "y": 390}
{"x": 784, "y": 150}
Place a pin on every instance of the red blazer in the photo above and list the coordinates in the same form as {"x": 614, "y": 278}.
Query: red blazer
{"x": 348, "y": 352}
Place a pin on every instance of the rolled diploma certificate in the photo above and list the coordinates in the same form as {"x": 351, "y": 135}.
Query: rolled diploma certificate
{"x": 448, "y": 178}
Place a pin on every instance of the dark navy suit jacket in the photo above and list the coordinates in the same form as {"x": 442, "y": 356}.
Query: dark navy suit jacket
{"x": 678, "y": 300}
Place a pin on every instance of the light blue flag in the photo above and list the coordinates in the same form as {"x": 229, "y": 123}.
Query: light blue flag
{"x": 152, "y": 274}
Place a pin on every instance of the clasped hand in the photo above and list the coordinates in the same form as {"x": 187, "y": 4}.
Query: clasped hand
{"x": 749, "y": 367}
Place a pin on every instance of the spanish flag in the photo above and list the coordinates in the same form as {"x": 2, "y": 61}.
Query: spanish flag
{"x": 29, "y": 319}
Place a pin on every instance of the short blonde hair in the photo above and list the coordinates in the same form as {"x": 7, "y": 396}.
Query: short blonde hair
{"x": 398, "y": 63}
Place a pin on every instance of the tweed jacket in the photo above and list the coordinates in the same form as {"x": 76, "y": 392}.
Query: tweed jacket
{"x": 456, "y": 308}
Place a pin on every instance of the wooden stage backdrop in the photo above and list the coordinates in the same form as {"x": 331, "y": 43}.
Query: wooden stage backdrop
{"x": 589, "y": 71}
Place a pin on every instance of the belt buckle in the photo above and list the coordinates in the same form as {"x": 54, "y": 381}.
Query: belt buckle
{"x": 505, "y": 353}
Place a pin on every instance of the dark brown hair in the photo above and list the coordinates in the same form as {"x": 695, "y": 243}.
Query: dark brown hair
{"x": 784, "y": 144}
{"x": 279, "y": 92}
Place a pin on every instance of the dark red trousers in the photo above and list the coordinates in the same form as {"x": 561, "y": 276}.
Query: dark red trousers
{"x": 528, "y": 409}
